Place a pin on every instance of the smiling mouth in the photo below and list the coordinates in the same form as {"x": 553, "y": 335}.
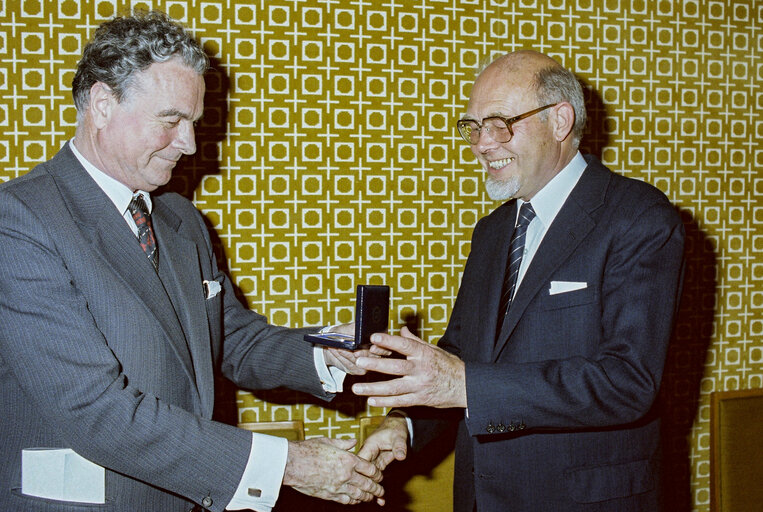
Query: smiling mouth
{"x": 500, "y": 164}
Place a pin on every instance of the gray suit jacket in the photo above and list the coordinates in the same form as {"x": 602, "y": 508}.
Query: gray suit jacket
{"x": 560, "y": 407}
{"x": 100, "y": 354}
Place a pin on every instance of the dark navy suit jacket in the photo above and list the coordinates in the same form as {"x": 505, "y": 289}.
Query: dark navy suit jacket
{"x": 100, "y": 354}
{"x": 560, "y": 408}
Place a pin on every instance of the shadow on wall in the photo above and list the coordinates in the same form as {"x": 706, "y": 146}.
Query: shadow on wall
{"x": 684, "y": 367}
{"x": 596, "y": 134}
{"x": 678, "y": 402}
{"x": 210, "y": 132}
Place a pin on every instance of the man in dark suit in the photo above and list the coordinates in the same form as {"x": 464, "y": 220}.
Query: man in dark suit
{"x": 109, "y": 347}
{"x": 554, "y": 351}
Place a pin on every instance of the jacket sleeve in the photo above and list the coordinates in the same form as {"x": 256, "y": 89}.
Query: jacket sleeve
{"x": 252, "y": 353}
{"x": 56, "y": 353}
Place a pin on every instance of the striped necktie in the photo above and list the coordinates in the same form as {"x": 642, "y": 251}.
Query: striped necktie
{"x": 516, "y": 250}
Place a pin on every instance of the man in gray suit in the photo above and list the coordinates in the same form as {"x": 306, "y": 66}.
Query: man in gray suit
{"x": 109, "y": 347}
{"x": 553, "y": 355}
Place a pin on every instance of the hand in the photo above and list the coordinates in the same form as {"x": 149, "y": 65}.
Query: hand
{"x": 346, "y": 360}
{"x": 324, "y": 468}
{"x": 387, "y": 443}
{"x": 428, "y": 375}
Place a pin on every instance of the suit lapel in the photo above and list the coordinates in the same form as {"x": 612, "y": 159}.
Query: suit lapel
{"x": 111, "y": 237}
{"x": 570, "y": 227}
{"x": 493, "y": 265}
{"x": 182, "y": 277}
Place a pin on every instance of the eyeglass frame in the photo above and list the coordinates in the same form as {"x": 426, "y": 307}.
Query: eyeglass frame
{"x": 508, "y": 121}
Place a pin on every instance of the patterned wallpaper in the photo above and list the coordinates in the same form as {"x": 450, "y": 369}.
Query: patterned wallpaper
{"x": 327, "y": 157}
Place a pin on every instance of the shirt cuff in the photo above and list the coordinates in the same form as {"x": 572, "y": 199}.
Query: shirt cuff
{"x": 332, "y": 378}
{"x": 261, "y": 482}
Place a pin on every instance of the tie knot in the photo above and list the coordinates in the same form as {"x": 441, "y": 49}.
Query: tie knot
{"x": 526, "y": 215}
{"x": 138, "y": 204}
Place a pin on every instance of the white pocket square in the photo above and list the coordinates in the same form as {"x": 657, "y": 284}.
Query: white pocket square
{"x": 566, "y": 286}
{"x": 211, "y": 288}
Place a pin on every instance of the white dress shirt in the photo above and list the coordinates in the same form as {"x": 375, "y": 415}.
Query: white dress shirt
{"x": 261, "y": 481}
{"x": 546, "y": 203}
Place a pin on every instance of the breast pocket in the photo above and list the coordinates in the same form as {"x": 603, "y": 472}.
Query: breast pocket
{"x": 213, "y": 303}
{"x": 571, "y": 299}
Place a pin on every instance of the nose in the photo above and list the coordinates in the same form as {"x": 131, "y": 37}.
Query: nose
{"x": 185, "y": 138}
{"x": 486, "y": 141}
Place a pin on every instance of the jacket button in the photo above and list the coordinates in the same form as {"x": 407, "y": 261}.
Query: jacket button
{"x": 206, "y": 502}
{"x": 521, "y": 426}
{"x": 512, "y": 427}
{"x": 490, "y": 428}
{"x": 501, "y": 427}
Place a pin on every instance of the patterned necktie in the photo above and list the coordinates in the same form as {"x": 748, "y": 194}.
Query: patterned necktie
{"x": 516, "y": 250}
{"x": 146, "y": 237}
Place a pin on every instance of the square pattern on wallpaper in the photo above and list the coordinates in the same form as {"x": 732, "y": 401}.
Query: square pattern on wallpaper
{"x": 327, "y": 157}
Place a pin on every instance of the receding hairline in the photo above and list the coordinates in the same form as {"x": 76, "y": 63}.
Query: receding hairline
{"x": 529, "y": 61}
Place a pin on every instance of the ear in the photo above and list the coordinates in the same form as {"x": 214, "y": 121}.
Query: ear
{"x": 564, "y": 120}
{"x": 101, "y": 105}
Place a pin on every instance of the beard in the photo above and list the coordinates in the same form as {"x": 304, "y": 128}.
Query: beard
{"x": 500, "y": 190}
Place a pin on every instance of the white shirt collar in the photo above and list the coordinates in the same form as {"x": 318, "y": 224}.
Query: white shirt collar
{"x": 549, "y": 200}
{"x": 118, "y": 192}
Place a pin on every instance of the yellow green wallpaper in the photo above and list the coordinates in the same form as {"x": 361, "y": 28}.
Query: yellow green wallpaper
{"x": 328, "y": 157}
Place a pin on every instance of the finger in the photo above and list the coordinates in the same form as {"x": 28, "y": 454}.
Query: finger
{"x": 356, "y": 495}
{"x": 394, "y": 400}
{"x": 341, "y": 354}
{"x": 384, "y": 365}
{"x": 349, "y": 364}
{"x": 384, "y": 460}
{"x": 367, "y": 485}
{"x": 378, "y": 351}
{"x": 406, "y": 333}
{"x": 399, "y": 344}
{"x": 372, "y": 351}
{"x": 369, "y": 451}
{"x": 362, "y": 491}
{"x": 400, "y": 450}
{"x": 394, "y": 387}
{"x": 368, "y": 469}
{"x": 348, "y": 328}
{"x": 341, "y": 443}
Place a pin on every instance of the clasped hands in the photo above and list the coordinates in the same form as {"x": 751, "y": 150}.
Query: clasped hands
{"x": 427, "y": 375}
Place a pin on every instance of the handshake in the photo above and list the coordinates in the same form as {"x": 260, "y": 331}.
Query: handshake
{"x": 427, "y": 375}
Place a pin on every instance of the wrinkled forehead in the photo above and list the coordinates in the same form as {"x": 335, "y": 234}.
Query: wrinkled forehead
{"x": 499, "y": 92}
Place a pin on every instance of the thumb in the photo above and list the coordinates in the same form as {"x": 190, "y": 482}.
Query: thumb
{"x": 400, "y": 450}
{"x": 406, "y": 333}
{"x": 343, "y": 444}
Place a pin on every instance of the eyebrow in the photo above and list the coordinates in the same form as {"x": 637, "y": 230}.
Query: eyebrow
{"x": 173, "y": 112}
{"x": 467, "y": 117}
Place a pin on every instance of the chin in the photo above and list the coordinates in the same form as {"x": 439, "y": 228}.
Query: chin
{"x": 159, "y": 180}
{"x": 501, "y": 190}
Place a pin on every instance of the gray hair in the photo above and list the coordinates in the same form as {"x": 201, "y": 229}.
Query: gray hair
{"x": 555, "y": 84}
{"x": 127, "y": 45}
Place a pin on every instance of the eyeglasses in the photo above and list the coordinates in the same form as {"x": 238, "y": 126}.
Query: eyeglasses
{"x": 498, "y": 127}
